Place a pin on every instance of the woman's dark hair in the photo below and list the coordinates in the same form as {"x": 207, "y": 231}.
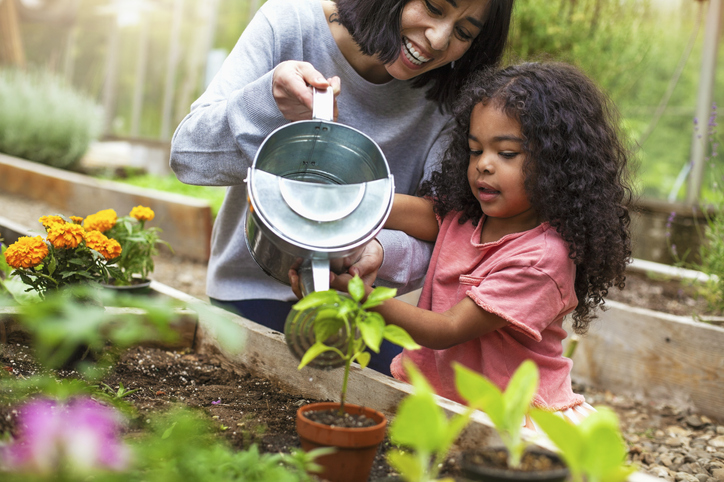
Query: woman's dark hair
{"x": 375, "y": 25}
{"x": 576, "y": 168}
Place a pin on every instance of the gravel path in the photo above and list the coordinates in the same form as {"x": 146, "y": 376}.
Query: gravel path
{"x": 670, "y": 442}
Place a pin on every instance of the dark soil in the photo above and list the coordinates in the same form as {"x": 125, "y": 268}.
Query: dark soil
{"x": 334, "y": 419}
{"x": 498, "y": 459}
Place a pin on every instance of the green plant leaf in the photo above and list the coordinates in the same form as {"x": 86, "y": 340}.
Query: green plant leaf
{"x": 327, "y": 324}
{"x": 520, "y": 391}
{"x": 363, "y": 358}
{"x": 408, "y": 430}
{"x": 313, "y": 352}
{"x": 356, "y": 288}
{"x": 399, "y": 336}
{"x": 378, "y": 296}
{"x": 606, "y": 452}
{"x": 406, "y": 464}
{"x": 480, "y": 393}
{"x": 372, "y": 329}
{"x": 316, "y": 298}
{"x": 566, "y": 436}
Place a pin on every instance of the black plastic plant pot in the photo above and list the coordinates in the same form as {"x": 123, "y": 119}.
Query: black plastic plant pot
{"x": 489, "y": 464}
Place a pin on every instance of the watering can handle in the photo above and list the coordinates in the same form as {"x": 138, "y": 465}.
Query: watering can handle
{"x": 323, "y": 104}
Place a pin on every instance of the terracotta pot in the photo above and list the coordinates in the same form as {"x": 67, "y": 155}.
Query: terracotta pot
{"x": 356, "y": 447}
{"x": 473, "y": 469}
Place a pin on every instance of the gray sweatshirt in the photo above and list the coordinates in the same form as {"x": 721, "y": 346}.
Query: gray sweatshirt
{"x": 216, "y": 142}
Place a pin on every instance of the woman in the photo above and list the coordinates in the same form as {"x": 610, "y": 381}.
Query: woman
{"x": 395, "y": 67}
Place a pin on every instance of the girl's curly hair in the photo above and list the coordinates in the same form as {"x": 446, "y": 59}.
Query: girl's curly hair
{"x": 576, "y": 168}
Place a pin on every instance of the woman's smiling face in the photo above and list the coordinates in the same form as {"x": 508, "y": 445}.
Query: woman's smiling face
{"x": 435, "y": 33}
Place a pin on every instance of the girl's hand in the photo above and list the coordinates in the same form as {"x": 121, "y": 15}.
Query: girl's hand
{"x": 292, "y": 89}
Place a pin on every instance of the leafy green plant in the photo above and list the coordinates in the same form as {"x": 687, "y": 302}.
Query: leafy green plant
{"x": 593, "y": 450}
{"x": 349, "y": 315}
{"x": 505, "y": 409}
{"x": 45, "y": 120}
{"x": 423, "y": 430}
{"x": 183, "y": 445}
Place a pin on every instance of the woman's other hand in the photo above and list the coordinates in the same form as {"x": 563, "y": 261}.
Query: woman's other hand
{"x": 292, "y": 89}
{"x": 369, "y": 262}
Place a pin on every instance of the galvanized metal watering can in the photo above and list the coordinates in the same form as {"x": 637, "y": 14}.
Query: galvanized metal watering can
{"x": 318, "y": 191}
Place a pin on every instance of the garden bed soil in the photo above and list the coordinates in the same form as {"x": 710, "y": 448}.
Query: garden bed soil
{"x": 666, "y": 441}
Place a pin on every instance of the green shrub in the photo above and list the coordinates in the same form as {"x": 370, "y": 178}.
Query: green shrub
{"x": 44, "y": 120}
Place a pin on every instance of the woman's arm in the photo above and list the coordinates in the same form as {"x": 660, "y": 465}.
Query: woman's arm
{"x": 253, "y": 93}
{"x": 414, "y": 216}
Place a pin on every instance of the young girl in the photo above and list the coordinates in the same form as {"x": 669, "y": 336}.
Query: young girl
{"x": 529, "y": 216}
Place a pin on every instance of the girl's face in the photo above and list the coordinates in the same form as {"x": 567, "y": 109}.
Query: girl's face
{"x": 495, "y": 169}
{"x": 435, "y": 33}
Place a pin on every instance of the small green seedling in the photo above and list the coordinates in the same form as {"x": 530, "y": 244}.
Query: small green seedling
{"x": 120, "y": 393}
{"x": 593, "y": 450}
{"x": 422, "y": 428}
{"x": 505, "y": 409}
{"x": 364, "y": 329}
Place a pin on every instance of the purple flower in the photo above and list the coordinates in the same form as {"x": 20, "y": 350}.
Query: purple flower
{"x": 81, "y": 434}
{"x": 216, "y": 402}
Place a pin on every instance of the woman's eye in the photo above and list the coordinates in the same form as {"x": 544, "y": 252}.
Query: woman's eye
{"x": 475, "y": 152}
{"x": 463, "y": 34}
{"x": 508, "y": 155}
{"x": 432, "y": 8}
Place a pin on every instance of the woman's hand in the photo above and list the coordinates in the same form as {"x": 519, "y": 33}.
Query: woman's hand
{"x": 369, "y": 262}
{"x": 292, "y": 89}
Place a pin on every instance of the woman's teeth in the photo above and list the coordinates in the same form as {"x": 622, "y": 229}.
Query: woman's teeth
{"x": 413, "y": 55}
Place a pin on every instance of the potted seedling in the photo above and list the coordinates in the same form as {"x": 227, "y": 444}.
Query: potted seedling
{"x": 342, "y": 330}
{"x": 594, "y": 450}
{"x": 518, "y": 459}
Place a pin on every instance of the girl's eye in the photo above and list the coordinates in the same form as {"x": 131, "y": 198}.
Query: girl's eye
{"x": 475, "y": 152}
{"x": 432, "y": 8}
{"x": 508, "y": 155}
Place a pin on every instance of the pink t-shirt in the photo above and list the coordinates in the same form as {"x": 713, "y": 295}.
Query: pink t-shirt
{"x": 525, "y": 278}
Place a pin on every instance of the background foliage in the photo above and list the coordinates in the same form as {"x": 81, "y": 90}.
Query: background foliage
{"x": 633, "y": 48}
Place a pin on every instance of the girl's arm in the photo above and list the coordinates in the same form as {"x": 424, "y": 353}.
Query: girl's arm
{"x": 463, "y": 322}
{"x": 414, "y": 216}
{"x": 438, "y": 331}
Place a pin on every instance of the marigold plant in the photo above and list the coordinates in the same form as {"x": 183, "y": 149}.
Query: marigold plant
{"x": 68, "y": 255}
{"x": 139, "y": 245}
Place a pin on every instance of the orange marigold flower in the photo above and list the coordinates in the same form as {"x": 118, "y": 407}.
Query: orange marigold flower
{"x": 48, "y": 221}
{"x": 65, "y": 235}
{"x": 109, "y": 248}
{"x": 26, "y": 252}
{"x": 142, "y": 213}
{"x": 101, "y": 221}
{"x": 76, "y": 219}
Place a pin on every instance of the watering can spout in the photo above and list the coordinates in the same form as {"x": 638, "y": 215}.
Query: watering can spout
{"x": 314, "y": 276}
